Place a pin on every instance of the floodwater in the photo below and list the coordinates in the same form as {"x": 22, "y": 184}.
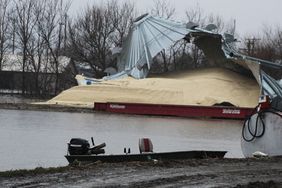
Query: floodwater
{"x": 32, "y": 139}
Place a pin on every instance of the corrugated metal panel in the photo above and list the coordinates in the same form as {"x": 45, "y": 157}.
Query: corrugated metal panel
{"x": 147, "y": 38}
{"x": 270, "y": 86}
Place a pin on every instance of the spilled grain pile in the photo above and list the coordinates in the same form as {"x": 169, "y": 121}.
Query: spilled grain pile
{"x": 198, "y": 87}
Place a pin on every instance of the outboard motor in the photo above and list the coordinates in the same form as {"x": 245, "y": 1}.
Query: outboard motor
{"x": 78, "y": 146}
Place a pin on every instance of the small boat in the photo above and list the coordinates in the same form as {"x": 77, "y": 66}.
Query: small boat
{"x": 146, "y": 156}
{"x": 80, "y": 151}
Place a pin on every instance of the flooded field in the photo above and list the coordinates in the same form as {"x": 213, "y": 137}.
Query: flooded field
{"x": 39, "y": 139}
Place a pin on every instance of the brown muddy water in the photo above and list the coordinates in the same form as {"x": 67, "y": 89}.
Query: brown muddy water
{"x": 32, "y": 139}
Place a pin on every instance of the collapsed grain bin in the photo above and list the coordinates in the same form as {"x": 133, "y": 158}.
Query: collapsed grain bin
{"x": 227, "y": 84}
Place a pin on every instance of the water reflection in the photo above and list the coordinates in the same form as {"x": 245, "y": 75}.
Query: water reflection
{"x": 30, "y": 138}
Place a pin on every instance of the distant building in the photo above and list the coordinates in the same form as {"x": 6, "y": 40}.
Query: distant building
{"x": 39, "y": 75}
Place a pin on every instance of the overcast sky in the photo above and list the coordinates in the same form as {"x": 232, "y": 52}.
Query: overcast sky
{"x": 250, "y": 15}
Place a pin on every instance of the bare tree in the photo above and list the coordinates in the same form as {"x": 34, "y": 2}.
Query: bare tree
{"x": 52, "y": 15}
{"x": 163, "y": 8}
{"x": 38, "y": 34}
{"x": 196, "y": 15}
{"x": 267, "y": 46}
{"x": 25, "y": 21}
{"x": 277, "y": 42}
{"x": 4, "y": 26}
{"x": 99, "y": 29}
{"x": 35, "y": 56}
{"x": 123, "y": 16}
{"x": 89, "y": 38}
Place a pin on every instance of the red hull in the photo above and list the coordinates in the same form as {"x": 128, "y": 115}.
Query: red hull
{"x": 175, "y": 110}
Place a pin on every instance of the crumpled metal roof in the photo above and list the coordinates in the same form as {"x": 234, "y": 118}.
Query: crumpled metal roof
{"x": 150, "y": 35}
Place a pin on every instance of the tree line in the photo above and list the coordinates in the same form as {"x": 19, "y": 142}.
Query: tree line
{"x": 33, "y": 30}
{"x": 268, "y": 46}
{"x": 41, "y": 31}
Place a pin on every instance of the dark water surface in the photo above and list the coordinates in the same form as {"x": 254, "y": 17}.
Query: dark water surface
{"x": 32, "y": 139}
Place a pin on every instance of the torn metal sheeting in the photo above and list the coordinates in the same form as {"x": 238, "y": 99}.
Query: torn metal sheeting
{"x": 147, "y": 38}
{"x": 150, "y": 35}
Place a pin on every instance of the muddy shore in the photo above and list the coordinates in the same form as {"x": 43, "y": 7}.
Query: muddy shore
{"x": 17, "y": 102}
{"x": 182, "y": 173}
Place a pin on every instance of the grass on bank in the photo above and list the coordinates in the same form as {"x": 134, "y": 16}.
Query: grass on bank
{"x": 36, "y": 171}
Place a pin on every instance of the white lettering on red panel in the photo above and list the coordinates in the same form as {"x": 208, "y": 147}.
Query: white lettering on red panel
{"x": 231, "y": 111}
{"x": 117, "y": 106}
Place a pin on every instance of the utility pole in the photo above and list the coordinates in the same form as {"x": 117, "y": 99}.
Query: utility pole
{"x": 251, "y": 44}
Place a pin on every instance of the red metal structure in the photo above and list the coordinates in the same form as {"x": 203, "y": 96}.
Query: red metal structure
{"x": 175, "y": 110}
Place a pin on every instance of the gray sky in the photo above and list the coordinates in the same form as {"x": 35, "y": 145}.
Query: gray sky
{"x": 250, "y": 15}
